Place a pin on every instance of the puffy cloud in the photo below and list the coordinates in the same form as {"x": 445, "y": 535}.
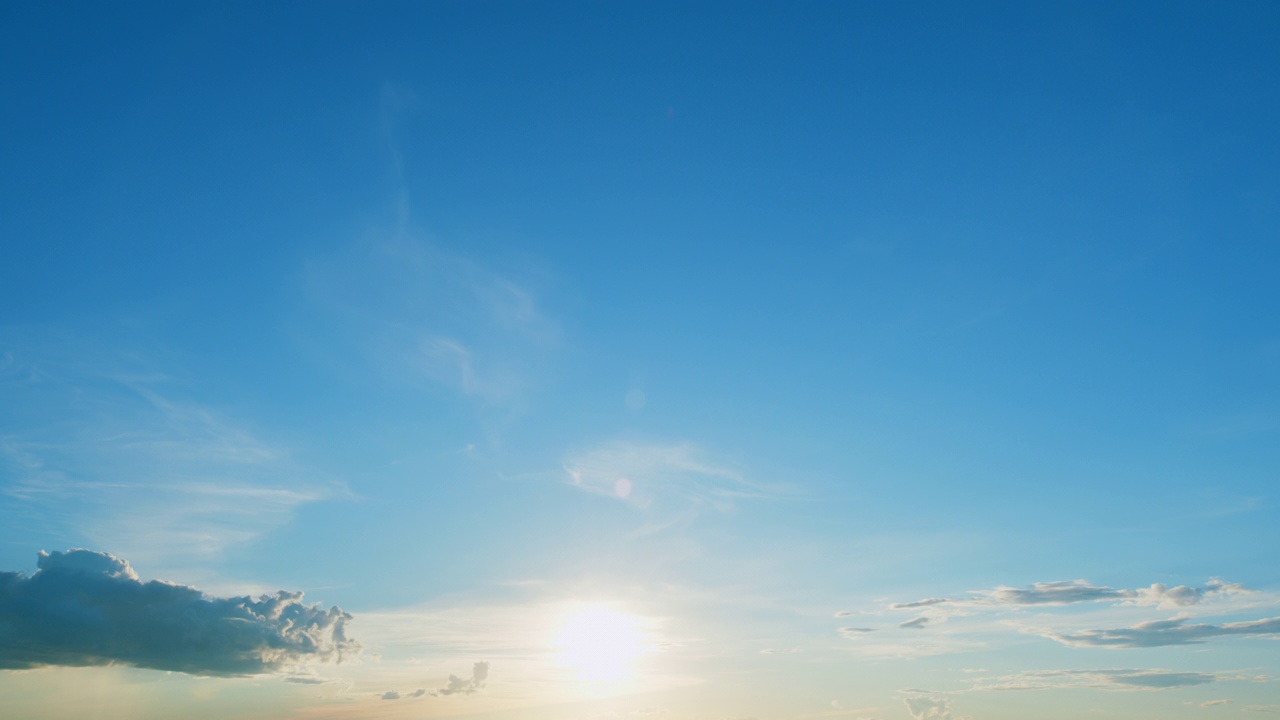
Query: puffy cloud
{"x": 1161, "y": 633}
{"x": 391, "y": 695}
{"x": 1163, "y": 596}
{"x": 83, "y": 608}
{"x": 466, "y": 686}
{"x": 930, "y": 708}
{"x": 1109, "y": 679}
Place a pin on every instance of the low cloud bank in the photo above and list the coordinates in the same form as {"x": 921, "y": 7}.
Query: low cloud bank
{"x": 85, "y": 608}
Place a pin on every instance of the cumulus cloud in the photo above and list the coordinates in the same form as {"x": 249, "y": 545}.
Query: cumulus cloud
{"x": 85, "y": 608}
{"x": 391, "y": 695}
{"x": 1108, "y": 679}
{"x": 930, "y": 708}
{"x": 466, "y": 686}
{"x": 1161, "y": 633}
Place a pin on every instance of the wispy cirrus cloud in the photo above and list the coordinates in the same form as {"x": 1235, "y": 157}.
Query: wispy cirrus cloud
{"x": 419, "y": 314}
{"x": 85, "y": 608}
{"x": 681, "y": 476}
{"x": 96, "y": 446}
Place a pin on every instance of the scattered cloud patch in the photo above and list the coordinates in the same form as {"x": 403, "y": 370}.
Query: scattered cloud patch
{"x": 915, "y": 623}
{"x": 855, "y": 631}
{"x": 927, "y": 602}
{"x": 391, "y": 695}
{"x": 780, "y": 651}
{"x": 1214, "y": 703}
{"x": 1108, "y": 679}
{"x": 931, "y": 708}
{"x": 468, "y": 685}
{"x": 1068, "y": 592}
{"x": 1163, "y": 633}
{"x": 86, "y": 608}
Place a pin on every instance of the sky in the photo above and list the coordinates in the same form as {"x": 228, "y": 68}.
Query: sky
{"x": 639, "y": 361}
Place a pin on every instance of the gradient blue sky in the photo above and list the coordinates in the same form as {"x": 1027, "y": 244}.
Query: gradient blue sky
{"x": 852, "y": 360}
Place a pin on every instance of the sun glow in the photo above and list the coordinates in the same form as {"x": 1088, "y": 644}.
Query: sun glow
{"x": 600, "y": 643}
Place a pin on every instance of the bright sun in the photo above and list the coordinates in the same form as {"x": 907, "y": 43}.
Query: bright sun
{"x": 599, "y": 643}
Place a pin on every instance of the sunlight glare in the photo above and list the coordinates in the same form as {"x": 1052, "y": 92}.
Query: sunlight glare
{"x": 599, "y": 643}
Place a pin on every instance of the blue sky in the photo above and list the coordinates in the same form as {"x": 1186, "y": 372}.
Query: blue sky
{"x": 604, "y": 360}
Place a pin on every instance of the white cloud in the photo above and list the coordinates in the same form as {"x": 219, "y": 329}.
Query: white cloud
{"x": 85, "y": 608}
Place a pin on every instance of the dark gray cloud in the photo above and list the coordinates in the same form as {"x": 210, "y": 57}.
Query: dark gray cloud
{"x": 466, "y": 686}
{"x": 1162, "y": 633}
{"x": 83, "y": 608}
